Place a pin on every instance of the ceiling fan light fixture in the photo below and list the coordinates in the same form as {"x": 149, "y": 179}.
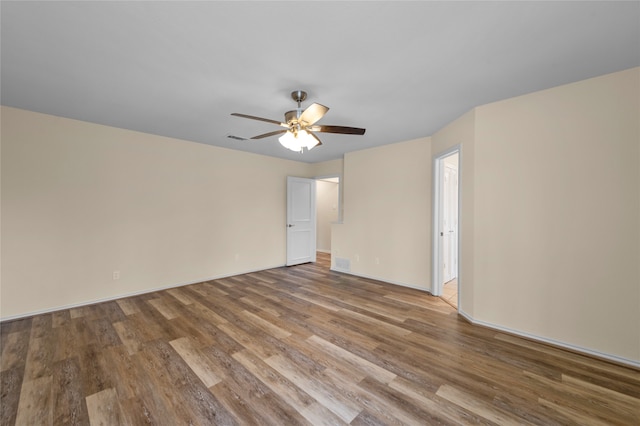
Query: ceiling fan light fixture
{"x": 300, "y": 125}
{"x": 297, "y": 142}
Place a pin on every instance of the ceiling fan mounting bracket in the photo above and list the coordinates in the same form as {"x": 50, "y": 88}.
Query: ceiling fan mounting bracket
{"x": 298, "y": 96}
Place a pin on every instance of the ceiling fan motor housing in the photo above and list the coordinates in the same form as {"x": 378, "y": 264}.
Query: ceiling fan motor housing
{"x": 291, "y": 117}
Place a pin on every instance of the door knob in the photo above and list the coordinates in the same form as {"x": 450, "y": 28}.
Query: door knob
{"x": 290, "y": 225}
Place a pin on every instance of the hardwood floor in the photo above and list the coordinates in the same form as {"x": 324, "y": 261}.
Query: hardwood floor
{"x": 299, "y": 345}
{"x": 450, "y": 292}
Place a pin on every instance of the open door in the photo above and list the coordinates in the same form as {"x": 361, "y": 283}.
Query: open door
{"x": 446, "y": 214}
{"x": 301, "y": 220}
{"x": 450, "y": 220}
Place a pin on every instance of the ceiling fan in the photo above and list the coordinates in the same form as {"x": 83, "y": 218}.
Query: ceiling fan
{"x": 299, "y": 125}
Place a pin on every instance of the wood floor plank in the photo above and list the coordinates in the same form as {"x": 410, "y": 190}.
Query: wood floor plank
{"x": 353, "y": 362}
{"x": 261, "y": 305}
{"x": 209, "y": 290}
{"x": 375, "y": 324}
{"x": 79, "y": 312}
{"x": 265, "y": 325}
{"x": 137, "y": 388}
{"x": 60, "y": 318}
{"x": 69, "y": 403}
{"x": 105, "y": 334}
{"x": 104, "y": 408}
{"x": 589, "y": 398}
{"x": 295, "y": 345}
{"x": 291, "y": 325}
{"x": 129, "y": 336}
{"x": 336, "y": 331}
{"x": 41, "y": 325}
{"x": 365, "y": 418}
{"x": 392, "y": 407}
{"x": 195, "y": 360}
{"x": 176, "y": 388}
{"x": 574, "y": 416}
{"x": 428, "y": 401}
{"x": 109, "y": 311}
{"x": 331, "y": 398}
{"x": 315, "y": 413}
{"x": 247, "y": 340}
{"x": 136, "y": 411}
{"x": 17, "y": 325}
{"x": 181, "y": 296}
{"x": 96, "y": 375}
{"x": 128, "y": 378}
{"x": 36, "y": 402}
{"x": 267, "y": 407}
{"x": 10, "y": 385}
{"x": 164, "y": 308}
{"x": 316, "y": 301}
{"x": 477, "y": 406}
{"x": 611, "y": 397}
{"x": 14, "y": 350}
{"x": 207, "y": 314}
{"x": 128, "y": 306}
{"x": 39, "y": 357}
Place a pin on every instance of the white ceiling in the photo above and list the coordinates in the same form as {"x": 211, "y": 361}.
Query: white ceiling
{"x": 402, "y": 70}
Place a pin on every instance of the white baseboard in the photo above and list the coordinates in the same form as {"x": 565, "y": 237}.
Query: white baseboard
{"x": 552, "y": 342}
{"x": 579, "y": 349}
{"x": 382, "y": 280}
{"x": 122, "y": 296}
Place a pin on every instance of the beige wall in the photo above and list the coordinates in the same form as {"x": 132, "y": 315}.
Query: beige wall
{"x": 326, "y": 168}
{"x": 557, "y": 208}
{"x": 326, "y": 213}
{"x": 386, "y": 223}
{"x": 80, "y": 201}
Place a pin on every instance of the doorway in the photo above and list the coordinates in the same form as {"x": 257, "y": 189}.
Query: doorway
{"x": 327, "y": 213}
{"x": 313, "y": 206}
{"x": 446, "y": 239}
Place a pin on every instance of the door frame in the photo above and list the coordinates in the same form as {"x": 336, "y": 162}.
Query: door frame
{"x": 437, "y": 203}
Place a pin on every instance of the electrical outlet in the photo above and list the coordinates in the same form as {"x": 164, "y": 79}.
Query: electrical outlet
{"x": 116, "y": 275}
{"x": 377, "y": 260}
{"x": 357, "y": 258}
{"x": 237, "y": 257}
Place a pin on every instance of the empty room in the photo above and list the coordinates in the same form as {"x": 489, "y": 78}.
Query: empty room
{"x": 319, "y": 213}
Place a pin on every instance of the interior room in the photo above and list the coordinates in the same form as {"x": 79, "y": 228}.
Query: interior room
{"x": 470, "y": 239}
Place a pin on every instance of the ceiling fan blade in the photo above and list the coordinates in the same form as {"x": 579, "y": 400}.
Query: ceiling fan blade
{"x": 316, "y": 138}
{"x": 266, "y": 135}
{"x": 337, "y": 129}
{"x": 252, "y": 117}
{"x": 312, "y": 114}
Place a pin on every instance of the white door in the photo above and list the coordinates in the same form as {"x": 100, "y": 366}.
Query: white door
{"x": 450, "y": 223}
{"x": 301, "y": 220}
